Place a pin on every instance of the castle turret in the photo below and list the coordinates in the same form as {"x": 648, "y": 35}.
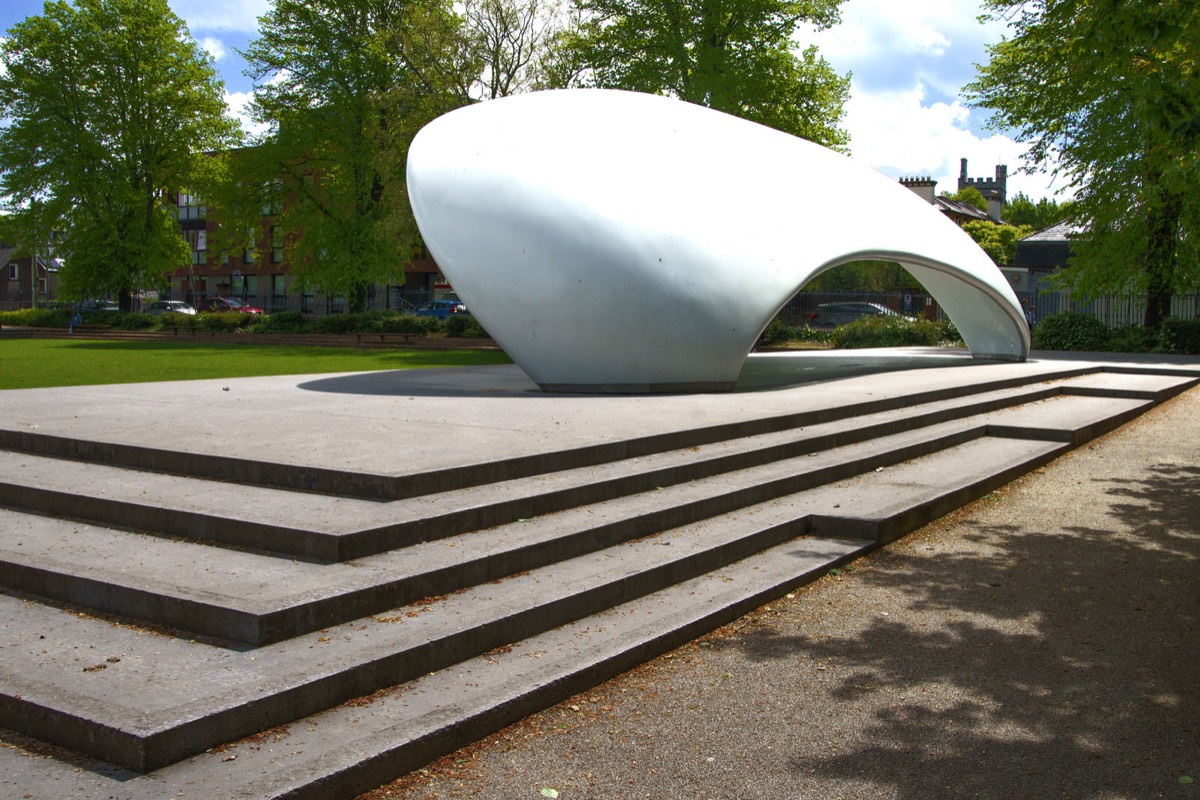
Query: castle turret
{"x": 994, "y": 190}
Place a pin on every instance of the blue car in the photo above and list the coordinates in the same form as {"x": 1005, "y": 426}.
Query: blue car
{"x": 440, "y": 309}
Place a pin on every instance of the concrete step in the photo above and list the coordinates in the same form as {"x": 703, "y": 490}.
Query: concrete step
{"x": 349, "y": 749}
{"x": 331, "y": 529}
{"x": 942, "y": 403}
{"x": 167, "y": 698}
{"x": 249, "y": 598}
{"x": 439, "y": 632}
{"x": 244, "y": 598}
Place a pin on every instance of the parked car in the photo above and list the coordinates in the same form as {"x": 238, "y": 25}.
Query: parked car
{"x": 98, "y": 305}
{"x": 831, "y": 315}
{"x": 440, "y": 309}
{"x": 168, "y": 307}
{"x": 219, "y": 304}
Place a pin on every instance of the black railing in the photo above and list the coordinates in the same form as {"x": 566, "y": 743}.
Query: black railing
{"x": 1115, "y": 311}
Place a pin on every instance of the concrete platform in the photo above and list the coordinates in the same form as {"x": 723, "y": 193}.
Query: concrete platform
{"x": 376, "y": 536}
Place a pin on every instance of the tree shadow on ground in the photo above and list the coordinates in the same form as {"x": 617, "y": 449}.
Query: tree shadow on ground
{"x": 1036, "y": 663}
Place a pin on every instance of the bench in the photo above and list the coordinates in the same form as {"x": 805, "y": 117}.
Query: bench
{"x": 384, "y": 338}
{"x": 91, "y": 328}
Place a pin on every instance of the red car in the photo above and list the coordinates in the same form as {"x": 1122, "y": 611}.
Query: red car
{"x": 219, "y": 304}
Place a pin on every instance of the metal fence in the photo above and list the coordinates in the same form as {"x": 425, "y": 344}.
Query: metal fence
{"x": 390, "y": 298}
{"x": 1115, "y": 311}
{"x": 910, "y": 302}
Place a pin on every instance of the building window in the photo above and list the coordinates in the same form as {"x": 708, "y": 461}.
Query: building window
{"x": 12, "y": 271}
{"x": 276, "y": 245}
{"x": 191, "y": 207}
{"x": 198, "y": 242}
{"x": 248, "y": 253}
{"x": 273, "y": 198}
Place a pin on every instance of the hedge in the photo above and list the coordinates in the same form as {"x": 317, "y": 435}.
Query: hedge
{"x": 888, "y": 331}
{"x": 1070, "y": 331}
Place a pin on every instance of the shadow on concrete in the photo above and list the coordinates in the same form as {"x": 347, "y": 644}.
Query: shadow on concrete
{"x": 1071, "y": 656}
{"x": 761, "y": 372}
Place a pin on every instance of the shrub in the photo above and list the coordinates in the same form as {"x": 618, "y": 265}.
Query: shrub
{"x": 132, "y": 321}
{"x": 36, "y": 317}
{"x": 358, "y": 322}
{"x": 339, "y": 323}
{"x": 282, "y": 322}
{"x": 175, "y": 321}
{"x": 887, "y": 331}
{"x": 223, "y": 322}
{"x": 821, "y": 335}
{"x": 1070, "y": 331}
{"x": 777, "y": 331}
{"x": 1179, "y": 336}
{"x": 113, "y": 319}
{"x": 1132, "y": 339}
{"x": 464, "y": 326}
{"x": 410, "y": 323}
{"x": 950, "y": 334}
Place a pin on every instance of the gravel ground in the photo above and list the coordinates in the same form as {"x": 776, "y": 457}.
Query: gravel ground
{"x": 1039, "y": 643}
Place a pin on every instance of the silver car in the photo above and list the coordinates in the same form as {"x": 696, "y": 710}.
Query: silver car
{"x": 169, "y": 307}
{"x": 830, "y": 315}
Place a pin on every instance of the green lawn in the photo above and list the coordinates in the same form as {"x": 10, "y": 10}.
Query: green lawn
{"x": 33, "y": 363}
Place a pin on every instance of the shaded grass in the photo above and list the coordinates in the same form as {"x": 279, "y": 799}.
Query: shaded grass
{"x": 38, "y": 363}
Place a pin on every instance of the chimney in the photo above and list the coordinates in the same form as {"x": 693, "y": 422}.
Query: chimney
{"x": 923, "y": 186}
{"x": 994, "y": 206}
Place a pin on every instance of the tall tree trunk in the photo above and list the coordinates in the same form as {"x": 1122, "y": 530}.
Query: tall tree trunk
{"x": 358, "y": 297}
{"x": 1160, "y": 260}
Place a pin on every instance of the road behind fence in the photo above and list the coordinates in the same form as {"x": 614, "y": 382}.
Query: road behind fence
{"x": 1115, "y": 311}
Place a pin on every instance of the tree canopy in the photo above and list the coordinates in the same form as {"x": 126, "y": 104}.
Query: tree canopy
{"x": 110, "y": 107}
{"x": 1106, "y": 93}
{"x": 511, "y": 40}
{"x": 344, "y": 85}
{"x": 863, "y": 276}
{"x": 969, "y": 195}
{"x": 998, "y": 241}
{"x": 735, "y": 56}
{"x": 1020, "y": 210}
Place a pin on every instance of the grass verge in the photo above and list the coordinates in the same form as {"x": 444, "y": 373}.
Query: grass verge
{"x": 38, "y": 363}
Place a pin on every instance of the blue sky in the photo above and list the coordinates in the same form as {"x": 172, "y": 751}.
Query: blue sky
{"x": 909, "y": 61}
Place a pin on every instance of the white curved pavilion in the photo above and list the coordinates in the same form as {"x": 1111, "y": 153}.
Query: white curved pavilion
{"x": 622, "y": 242}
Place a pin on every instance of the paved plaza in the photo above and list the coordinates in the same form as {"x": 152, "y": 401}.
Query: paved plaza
{"x": 309, "y": 586}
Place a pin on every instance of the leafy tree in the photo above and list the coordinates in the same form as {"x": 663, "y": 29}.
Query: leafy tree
{"x": 969, "y": 195}
{"x": 863, "y": 276}
{"x": 344, "y": 85}
{"x": 511, "y": 39}
{"x": 735, "y": 56}
{"x": 998, "y": 241}
{"x": 1107, "y": 94}
{"x": 110, "y": 107}
{"x": 1020, "y": 210}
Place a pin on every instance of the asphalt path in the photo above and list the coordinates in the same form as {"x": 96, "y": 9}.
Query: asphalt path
{"x": 1039, "y": 643}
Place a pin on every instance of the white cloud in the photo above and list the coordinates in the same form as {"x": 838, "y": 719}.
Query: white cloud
{"x": 237, "y": 102}
{"x": 215, "y": 47}
{"x": 221, "y": 15}
{"x": 905, "y": 115}
{"x": 903, "y": 135}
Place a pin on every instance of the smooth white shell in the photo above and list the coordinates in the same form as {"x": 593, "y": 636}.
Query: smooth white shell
{"x": 614, "y": 241}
